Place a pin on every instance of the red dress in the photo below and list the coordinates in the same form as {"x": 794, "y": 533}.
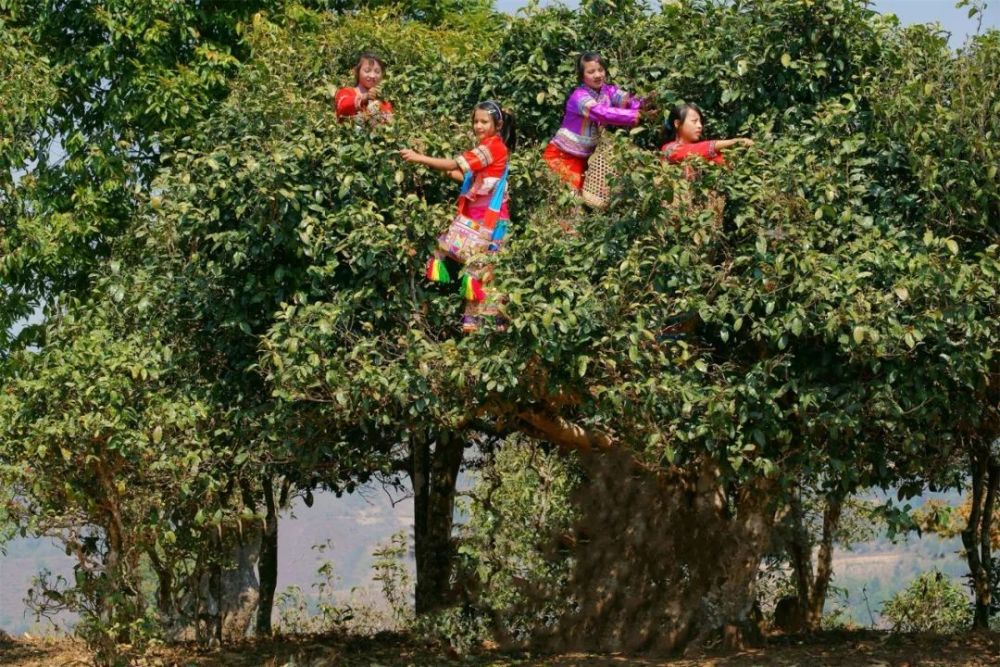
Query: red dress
{"x": 348, "y": 103}
{"x": 676, "y": 152}
{"x": 471, "y": 230}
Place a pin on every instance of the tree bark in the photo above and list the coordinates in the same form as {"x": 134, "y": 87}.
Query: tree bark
{"x": 824, "y": 561}
{"x": 164, "y": 587}
{"x": 434, "y": 473}
{"x": 799, "y": 548}
{"x": 663, "y": 561}
{"x": 267, "y": 567}
{"x": 985, "y": 470}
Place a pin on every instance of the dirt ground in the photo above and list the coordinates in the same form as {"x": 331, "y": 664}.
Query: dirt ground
{"x": 853, "y": 649}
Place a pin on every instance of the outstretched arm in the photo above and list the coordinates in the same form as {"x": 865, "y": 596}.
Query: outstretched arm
{"x": 726, "y": 143}
{"x": 605, "y": 114}
{"x": 439, "y": 163}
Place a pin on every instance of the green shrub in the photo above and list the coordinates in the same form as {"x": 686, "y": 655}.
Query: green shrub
{"x": 931, "y": 603}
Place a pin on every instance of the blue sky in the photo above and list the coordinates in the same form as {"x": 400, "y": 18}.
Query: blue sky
{"x": 956, "y": 21}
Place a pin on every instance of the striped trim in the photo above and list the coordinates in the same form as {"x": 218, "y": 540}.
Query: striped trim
{"x": 573, "y": 143}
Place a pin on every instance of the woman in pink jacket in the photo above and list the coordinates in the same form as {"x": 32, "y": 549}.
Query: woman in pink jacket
{"x": 593, "y": 103}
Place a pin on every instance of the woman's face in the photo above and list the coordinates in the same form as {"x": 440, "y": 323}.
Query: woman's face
{"x": 689, "y": 129}
{"x": 369, "y": 73}
{"x": 593, "y": 74}
{"x": 482, "y": 124}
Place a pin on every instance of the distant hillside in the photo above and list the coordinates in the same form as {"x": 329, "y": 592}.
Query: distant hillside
{"x": 353, "y": 525}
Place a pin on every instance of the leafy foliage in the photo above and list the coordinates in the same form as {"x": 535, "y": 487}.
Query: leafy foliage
{"x": 513, "y": 562}
{"x": 931, "y": 603}
{"x": 837, "y": 288}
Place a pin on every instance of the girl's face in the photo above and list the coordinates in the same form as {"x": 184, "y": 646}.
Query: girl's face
{"x": 482, "y": 124}
{"x": 593, "y": 74}
{"x": 369, "y": 73}
{"x": 689, "y": 129}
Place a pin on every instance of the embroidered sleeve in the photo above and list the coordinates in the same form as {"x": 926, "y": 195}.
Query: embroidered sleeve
{"x": 581, "y": 103}
{"x": 606, "y": 114}
{"x": 346, "y": 102}
{"x": 477, "y": 159}
{"x": 619, "y": 98}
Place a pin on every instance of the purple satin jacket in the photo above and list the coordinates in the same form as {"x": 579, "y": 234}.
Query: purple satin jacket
{"x": 586, "y": 110}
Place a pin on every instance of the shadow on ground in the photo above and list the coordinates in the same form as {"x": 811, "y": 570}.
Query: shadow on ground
{"x": 840, "y": 649}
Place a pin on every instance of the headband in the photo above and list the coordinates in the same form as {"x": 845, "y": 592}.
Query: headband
{"x": 494, "y": 110}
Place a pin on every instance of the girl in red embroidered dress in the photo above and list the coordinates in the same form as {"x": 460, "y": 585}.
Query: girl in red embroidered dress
{"x": 482, "y": 218}
{"x": 684, "y": 128}
{"x": 364, "y": 99}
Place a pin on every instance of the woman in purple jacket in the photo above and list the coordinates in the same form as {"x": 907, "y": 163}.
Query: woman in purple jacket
{"x": 593, "y": 103}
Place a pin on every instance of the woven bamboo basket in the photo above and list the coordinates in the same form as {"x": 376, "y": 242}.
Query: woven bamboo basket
{"x": 596, "y": 191}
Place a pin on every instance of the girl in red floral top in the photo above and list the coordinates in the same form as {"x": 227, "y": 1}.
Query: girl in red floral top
{"x": 481, "y": 221}
{"x": 364, "y": 99}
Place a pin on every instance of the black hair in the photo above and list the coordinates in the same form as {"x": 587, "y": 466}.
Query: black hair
{"x": 367, "y": 55}
{"x": 679, "y": 112}
{"x": 504, "y": 121}
{"x": 589, "y": 57}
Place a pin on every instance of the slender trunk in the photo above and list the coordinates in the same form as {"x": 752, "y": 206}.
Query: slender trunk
{"x": 164, "y": 587}
{"x": 267, "y": 567}
{"x": 420, "y": 478}
{"x": 824, "y": 561}
{"x": 984, "y": 590}
{"x": 976, "y": 536}
{"x": 215, "y": 615}
{"x": 800, "y": 555}
{"x": 434, "y": 474}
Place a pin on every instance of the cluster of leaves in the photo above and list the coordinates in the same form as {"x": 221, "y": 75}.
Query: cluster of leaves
{"x": 96, "y": 91}
{"x": 25, "y": 93}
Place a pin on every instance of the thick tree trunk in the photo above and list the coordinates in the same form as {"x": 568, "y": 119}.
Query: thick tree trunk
{"x": 224, "y": 598}
{"x": 434, "y": 473}
{"x": 985, "y": 470}
{"x": 663, "y": 561}
{"x": 267, "y": 568}
{"x": 240, "y": 587}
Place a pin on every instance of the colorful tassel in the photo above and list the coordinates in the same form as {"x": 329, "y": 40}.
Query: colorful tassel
{"x": 437, "y": 272}
{"x": 472, "y": 289}
{"x": 499, "y": 232}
